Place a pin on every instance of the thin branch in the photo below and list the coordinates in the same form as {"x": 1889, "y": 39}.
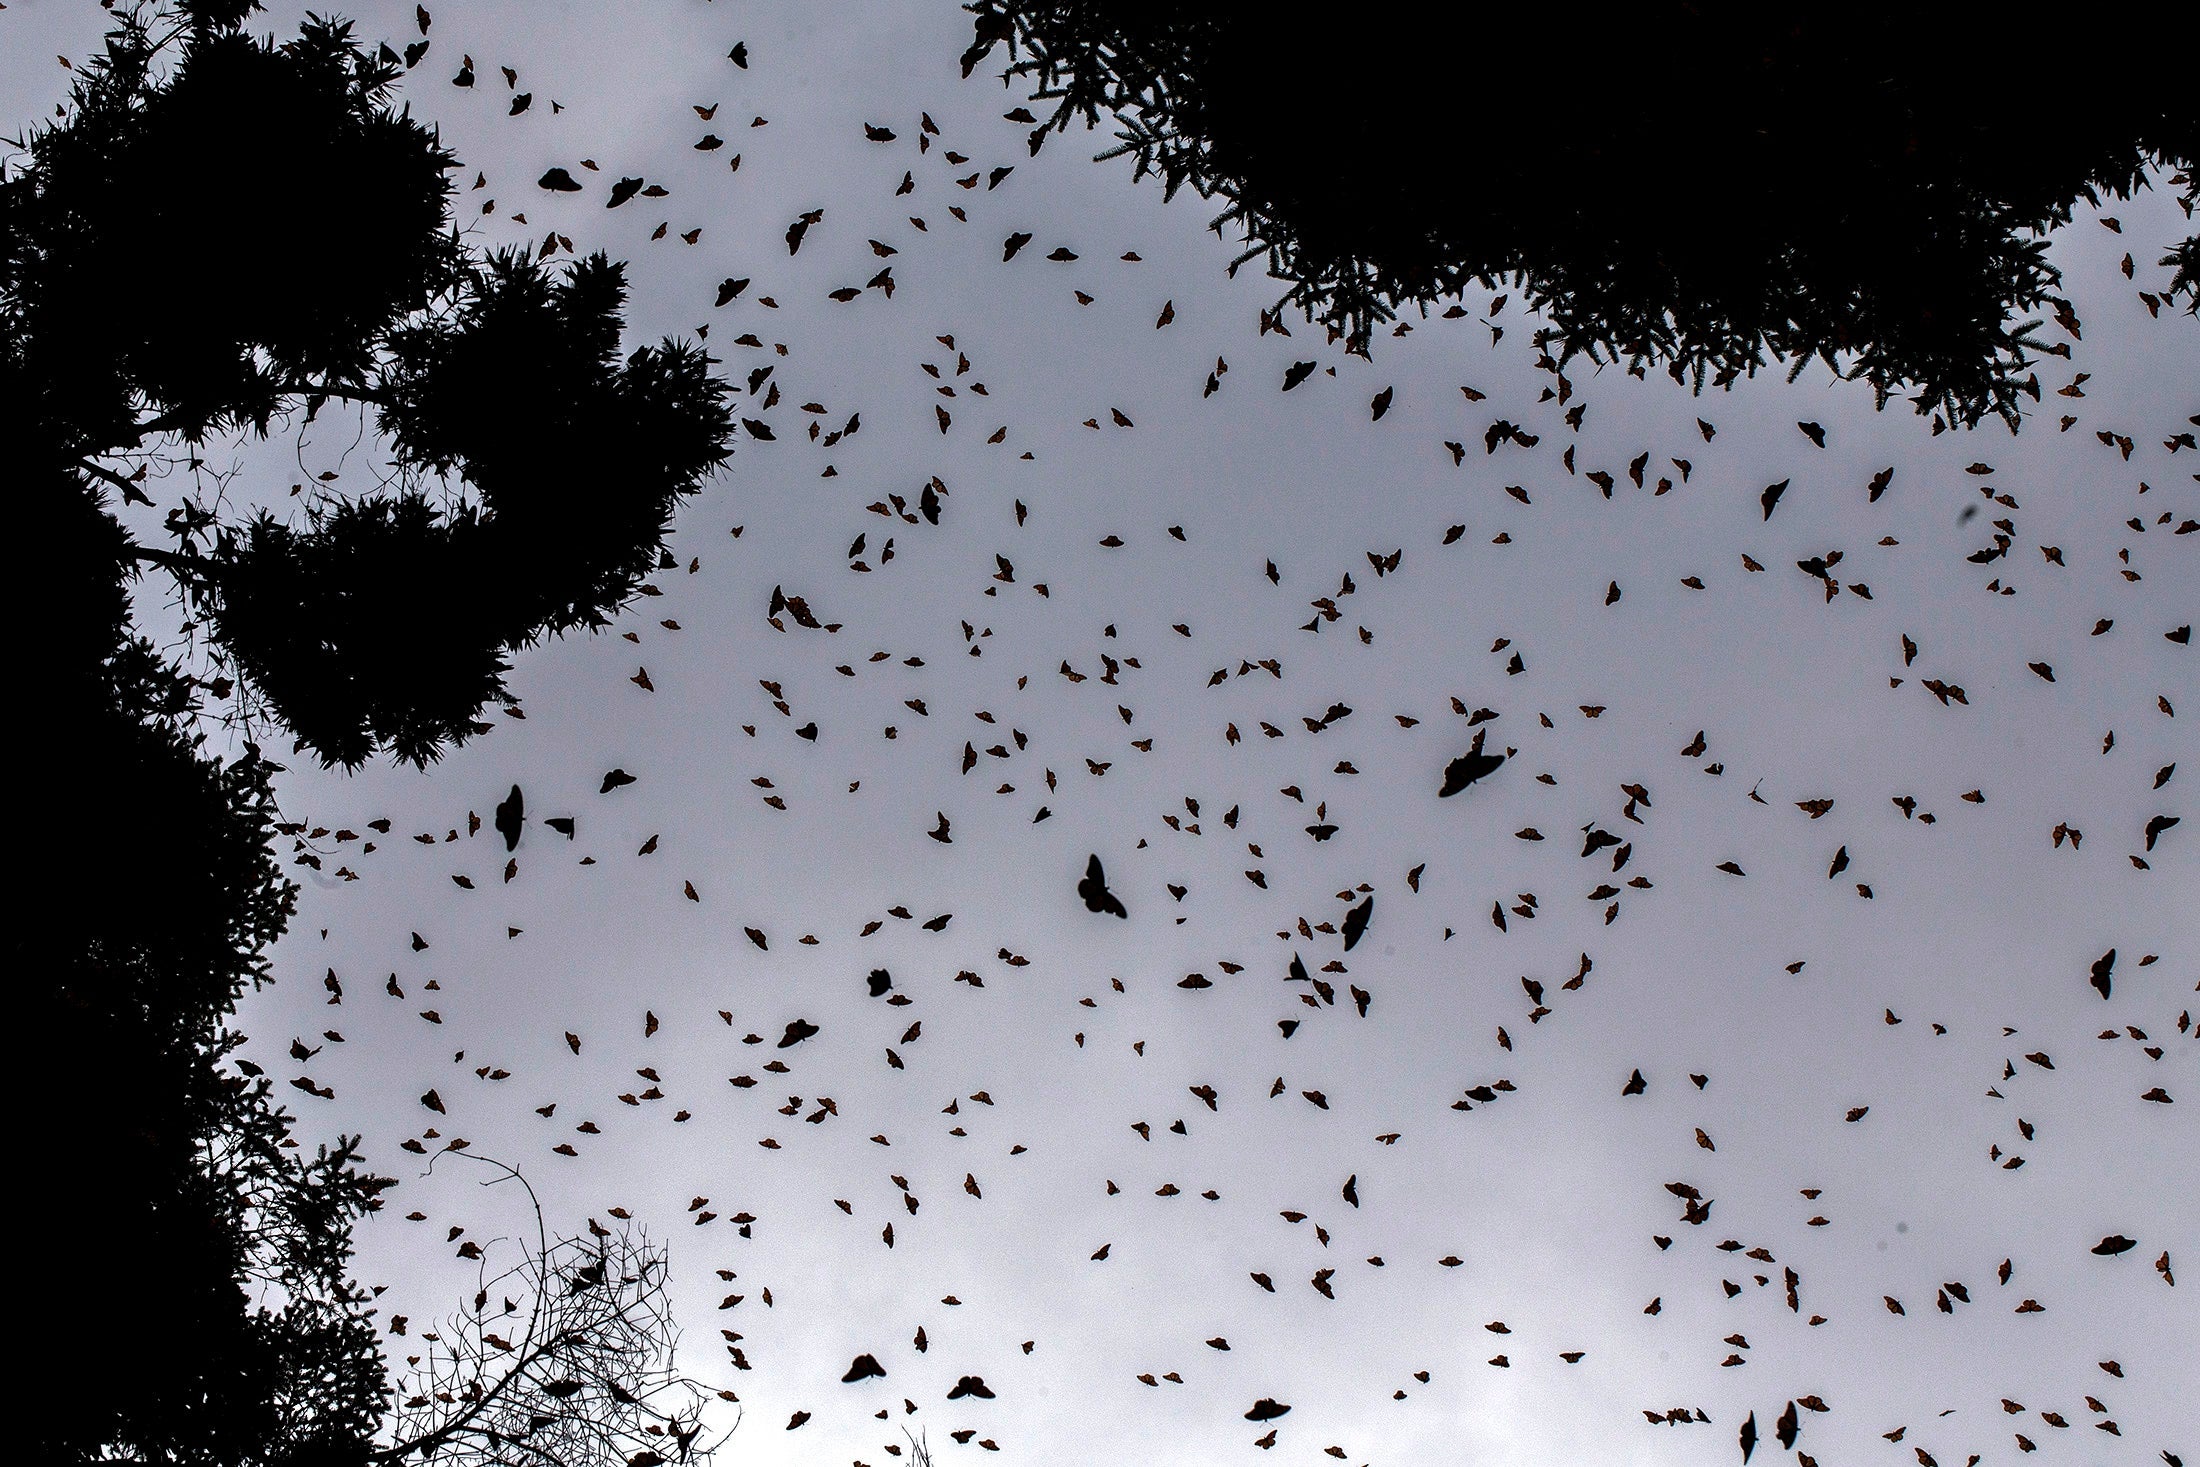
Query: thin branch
{"x": 593, "y": 1379}
{"x": 182, "y": 567}
{"x": 463, "y": 1422}
{"x": 348, "y": 391}
{"x": 542, "y": 1236}
{"x": 131, "y": 491}
{"x": 156, "y": 425}
{"x": 173, "y": 420}
{"x": 529, "y": 1352}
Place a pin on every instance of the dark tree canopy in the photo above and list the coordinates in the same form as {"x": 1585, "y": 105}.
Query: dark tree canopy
{"x": 202, "y": 1258}
{"x": 226, "y": 233}
{"x": 1681, "y": 184}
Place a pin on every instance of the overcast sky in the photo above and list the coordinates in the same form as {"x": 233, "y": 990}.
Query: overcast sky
{"x": 1956, "y": 942}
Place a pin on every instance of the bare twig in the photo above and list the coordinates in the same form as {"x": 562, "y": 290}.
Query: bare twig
{"x": 591, "y": 1380}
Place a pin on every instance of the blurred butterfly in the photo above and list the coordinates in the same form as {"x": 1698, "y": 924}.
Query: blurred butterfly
{"x": 1094, "y": 889}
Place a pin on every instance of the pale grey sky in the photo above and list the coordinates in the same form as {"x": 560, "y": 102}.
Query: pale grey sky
{"x": 1550, "y": 1195}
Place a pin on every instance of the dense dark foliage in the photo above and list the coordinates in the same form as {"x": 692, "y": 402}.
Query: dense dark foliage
{"x": 205, "y": 1260}
{"x": 225, "y": 235}
{"x": 1701, "y": 186}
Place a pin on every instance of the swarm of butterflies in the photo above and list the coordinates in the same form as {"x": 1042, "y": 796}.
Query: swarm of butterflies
{"x": 1028, "y": 743}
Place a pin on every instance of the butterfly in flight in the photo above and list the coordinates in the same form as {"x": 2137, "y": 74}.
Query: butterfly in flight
{"x": 1094, "y": 889}
{"x": 1468, "y": 768}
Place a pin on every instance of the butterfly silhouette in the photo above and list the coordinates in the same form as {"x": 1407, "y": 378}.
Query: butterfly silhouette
{"x": 1469, "y": 767}
{"x": 1094, "y": 889}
